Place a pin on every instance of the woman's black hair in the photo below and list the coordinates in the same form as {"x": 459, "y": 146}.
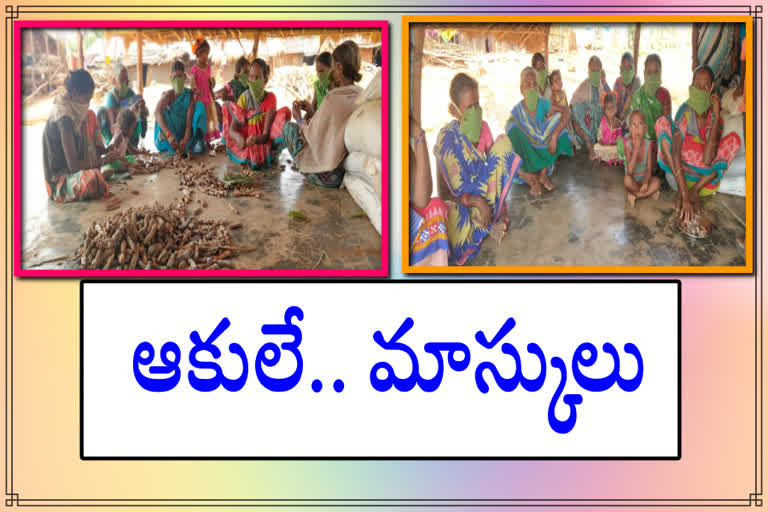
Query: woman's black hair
{"x": 79, "y": 81}
{"x": 242, "y": 61}
{"x": 177, "y": 65}
{"x": 125, "y": 119}
{"x": 627, "y": 55}
{"x": 652, "y": 58}
{"x": 459, "y": 84}
{"x": 536, "y": 58}
{"x": 553, "y": 73}
{"x": 348, "y": 55}
{"x": 607, "y": 99}
{"x": 264, "y": 67}
{"x": 708, "y": 70}
{"x": 324, "y": 59}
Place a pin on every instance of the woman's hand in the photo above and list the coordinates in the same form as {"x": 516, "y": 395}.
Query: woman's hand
{"x": 138, "y": 107}
{"x": 552, "y": 145}
{"x": 715, "y": 105}
{"x": 686, "y": 209}
{"x": 251, "y": 140}
{"x": 184, "y": 142}
{"x": 483, "y": 208}
{"x": 296, "y": 111}
{"x": 172, "y": 141}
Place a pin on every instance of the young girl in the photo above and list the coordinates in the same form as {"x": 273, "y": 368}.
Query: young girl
{"x": 556, "y": 92}
{"x": 539, "y": 65}
{"x": 636, "y": 152}
{"x": 610, "y": 131}
{"x": 202, "y": 84}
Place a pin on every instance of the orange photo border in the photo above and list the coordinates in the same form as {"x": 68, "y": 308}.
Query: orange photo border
{"x": 407, "y": 268}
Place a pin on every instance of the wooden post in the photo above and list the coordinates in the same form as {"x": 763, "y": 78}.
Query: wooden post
{"x": 636, "y": 49}
{"x": 81, "y": 60}
{"x": 417, "y": 54}
{"x": 255, "y": 47}
{"x": 546, "y": 44}
{"x": 140, "y": 61}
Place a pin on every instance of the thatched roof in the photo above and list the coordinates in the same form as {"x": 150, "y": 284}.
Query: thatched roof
{"x": 168, "y": 35}
{"x": 530, "y": 36}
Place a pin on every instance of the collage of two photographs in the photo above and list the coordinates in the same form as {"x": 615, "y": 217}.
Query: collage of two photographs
{"x": 558, "y": 144}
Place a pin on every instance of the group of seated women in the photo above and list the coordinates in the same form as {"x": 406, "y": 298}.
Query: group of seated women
{"x": 81, "y": 149}
{"x": 630, "y": 124}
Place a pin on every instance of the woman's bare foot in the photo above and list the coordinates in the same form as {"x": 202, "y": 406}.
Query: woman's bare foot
{"x": 503, "y": 217}
{"x": 656, "y": 195}
{"x": 498, "y": 230}
{"x": 544, "y": 180}
{"x": 631, "y": 199}
{"x": 533, "y": 180}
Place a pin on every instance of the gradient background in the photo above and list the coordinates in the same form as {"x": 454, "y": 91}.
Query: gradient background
{"x": 719, "y": 445}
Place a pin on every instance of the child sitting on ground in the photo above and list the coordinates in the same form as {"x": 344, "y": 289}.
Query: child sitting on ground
{"x": 610, "y": 131}
{"x": 635, "y": 150}
{"x": 120, "y": 145}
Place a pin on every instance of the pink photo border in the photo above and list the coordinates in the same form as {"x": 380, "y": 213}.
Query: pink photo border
{"x": 381, "y": 272}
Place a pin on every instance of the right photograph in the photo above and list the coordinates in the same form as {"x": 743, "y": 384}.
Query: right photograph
{"x": 578, "y": 145}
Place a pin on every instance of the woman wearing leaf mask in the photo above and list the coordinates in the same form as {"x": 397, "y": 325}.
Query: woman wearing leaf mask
{"x": 693, "y": 151}
{"x": 625, "y": 86}
{"x": 253, "y": 126}
{"x": 586, "y": 107}
{"x": 537, "y": 128}
{"x": 180, "y": 121}
{"x": 323, "y": 82}
{"x": 120, "y": 97}
{"x": 237, "y": 86}
{"x": 476, "y": 172}
{"x": 72, "y": 148}
{"x": 652, "y": 99}
{"x": 539, "y": 65}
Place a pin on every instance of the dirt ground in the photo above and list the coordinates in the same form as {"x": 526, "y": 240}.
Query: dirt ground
{"x": 586, "y": 221}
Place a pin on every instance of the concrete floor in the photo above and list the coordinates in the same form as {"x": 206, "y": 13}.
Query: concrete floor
{"x": 586, "y": 221}
{"x": 349, "y": 241}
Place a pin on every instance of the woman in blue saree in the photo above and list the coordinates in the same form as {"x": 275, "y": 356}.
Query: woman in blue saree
{"x": 180, "y": 121}
{"x": 538, "y": 131}
{"x": 120, "y": 97}
{"x": 477, "y": 173}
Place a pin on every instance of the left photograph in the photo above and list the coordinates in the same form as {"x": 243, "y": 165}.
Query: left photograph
{"x": 178, "y": 148}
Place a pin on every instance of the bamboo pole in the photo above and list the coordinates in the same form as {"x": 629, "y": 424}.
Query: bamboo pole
{"x": 417, "y": 54}
{"x": 255, "y": 47}
{"x": 636, "y": 49}
{"x": 140, "y": 61}
{"x": 81, "y": 59}
{"x": 546, "y": 45}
